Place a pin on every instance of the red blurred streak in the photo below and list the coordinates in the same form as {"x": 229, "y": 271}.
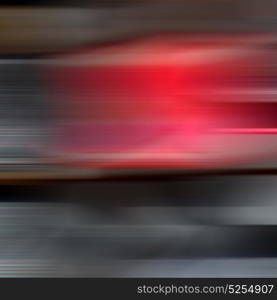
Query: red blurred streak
{"x": 245, "y": 130}
{"x": 168, "y": 101}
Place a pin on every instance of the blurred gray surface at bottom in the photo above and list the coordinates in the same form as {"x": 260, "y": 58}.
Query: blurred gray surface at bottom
{"x": 207, "y": 226}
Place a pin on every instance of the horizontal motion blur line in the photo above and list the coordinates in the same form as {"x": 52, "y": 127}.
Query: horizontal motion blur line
{"x": 245, "y": 130}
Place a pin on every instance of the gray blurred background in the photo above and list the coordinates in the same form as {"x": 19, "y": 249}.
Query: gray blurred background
{"x": 190, "y": 225}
